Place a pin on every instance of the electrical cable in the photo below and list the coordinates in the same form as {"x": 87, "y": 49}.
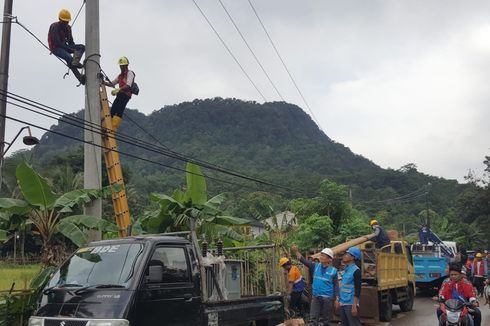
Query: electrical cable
{"x": 276, "y": 50}
{"x": 136, "y": 142}
{"x": 16, "y": 21}
{"x": 283, "y": 63}
{"x": 120, "y": 152}
{"x": 77, "y": 122}
{"x": 44, "y": 45}
{"x": 127, "y": 116}
{"x": 251, "y": 51}
{"x": 406, "y": 196}
{"x": 401, "y": 199}
{"x": 78, "y": 13}
{"x": 229, "y": 50}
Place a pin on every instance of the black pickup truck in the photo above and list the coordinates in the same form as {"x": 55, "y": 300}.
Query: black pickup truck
{"x": 141, "y": 281}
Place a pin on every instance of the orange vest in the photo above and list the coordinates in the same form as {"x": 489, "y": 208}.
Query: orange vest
{"x": 479, "y": 266}
{"x": 121, "y": 80}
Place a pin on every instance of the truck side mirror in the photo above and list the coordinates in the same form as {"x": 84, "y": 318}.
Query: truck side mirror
{"x": 155, "y": 274}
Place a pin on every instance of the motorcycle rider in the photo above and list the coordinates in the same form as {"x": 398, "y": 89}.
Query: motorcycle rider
{"x": 459, "y": 288}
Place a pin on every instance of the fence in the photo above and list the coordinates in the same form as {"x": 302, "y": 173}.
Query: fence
{"x": 19, "y": 261}
{"x": 259, "y": 272}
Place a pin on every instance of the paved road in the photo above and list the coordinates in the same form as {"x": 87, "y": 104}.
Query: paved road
{"x": 423, "y": 314}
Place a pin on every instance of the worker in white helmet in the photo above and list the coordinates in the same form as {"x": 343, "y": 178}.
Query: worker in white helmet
{"x": 325, "y": 285}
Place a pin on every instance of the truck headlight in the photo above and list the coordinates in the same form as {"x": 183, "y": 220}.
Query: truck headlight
{"x": 108, "y": 322}
{"x": 35, "y": 321}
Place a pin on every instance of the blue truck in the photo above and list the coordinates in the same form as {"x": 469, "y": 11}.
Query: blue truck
{"x": 430, "y": 257}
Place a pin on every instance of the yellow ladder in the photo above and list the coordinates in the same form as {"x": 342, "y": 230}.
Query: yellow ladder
{"x": 113, "y": 166}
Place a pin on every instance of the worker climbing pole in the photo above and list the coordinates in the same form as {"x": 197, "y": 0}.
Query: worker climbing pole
{"x": 113, "y": 166}
{"x": 111, "y": 118}
{"x": 124, "y": 87}
{"x": 62, "y": 45}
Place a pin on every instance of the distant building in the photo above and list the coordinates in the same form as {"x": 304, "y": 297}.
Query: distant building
{"x": 281, "y": 222}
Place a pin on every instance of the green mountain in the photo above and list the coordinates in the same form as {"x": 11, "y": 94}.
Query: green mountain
{"x": 277, "y": 142}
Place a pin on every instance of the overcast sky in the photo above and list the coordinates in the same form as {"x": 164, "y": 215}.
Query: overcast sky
{"x": 396, "y": 81}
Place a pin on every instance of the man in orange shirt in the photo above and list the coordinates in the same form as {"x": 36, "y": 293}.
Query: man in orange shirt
{"x": 296, "y": 283}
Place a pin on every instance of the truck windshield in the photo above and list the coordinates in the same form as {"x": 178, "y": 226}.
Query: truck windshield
{"x": 99, "y": 265}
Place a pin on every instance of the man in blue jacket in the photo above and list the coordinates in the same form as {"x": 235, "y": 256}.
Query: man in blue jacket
{"x": 325, "y": 285}
{"x": 350, "y": 289}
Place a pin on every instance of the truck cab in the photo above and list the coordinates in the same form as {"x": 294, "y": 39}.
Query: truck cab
{"x": 430, "y": 263}
{"x": 142, "y": 281}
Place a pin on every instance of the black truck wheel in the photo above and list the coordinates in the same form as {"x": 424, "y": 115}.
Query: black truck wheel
{"x": 385, "y": 306}
{"x": 407, "y": 304}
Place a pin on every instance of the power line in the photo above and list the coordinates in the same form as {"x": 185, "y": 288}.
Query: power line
{"x": 79, "y": 123}
{"x": 229, "y": 50}
{"x": 127, "y": 116}
{"x": 401, "y": 199}
{"x": 284, "y": 64}
{"x": 123, "y": 153}
{"x": 78, "y": 13}
{"x": 312, "y": 114}
{"x": 251, "y": 51}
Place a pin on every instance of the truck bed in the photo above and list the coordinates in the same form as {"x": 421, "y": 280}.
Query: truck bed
{"x": 268, "y": 310}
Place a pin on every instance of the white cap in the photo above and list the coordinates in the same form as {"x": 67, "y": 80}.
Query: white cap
{"x": 328, "y": 252}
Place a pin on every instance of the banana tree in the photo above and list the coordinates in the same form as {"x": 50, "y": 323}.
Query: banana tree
{"x": 174, "y": 213}
{"x": 50, "y": 213}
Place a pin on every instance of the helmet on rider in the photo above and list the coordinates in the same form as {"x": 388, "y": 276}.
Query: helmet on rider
{"x": 354, "y": 252}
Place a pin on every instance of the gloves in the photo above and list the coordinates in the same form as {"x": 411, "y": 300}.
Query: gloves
{"x": 115, "y": 91}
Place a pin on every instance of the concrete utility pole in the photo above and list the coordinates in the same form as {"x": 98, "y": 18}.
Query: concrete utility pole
{"x": 92, "y": 154}
{"x": 4, "y": 75}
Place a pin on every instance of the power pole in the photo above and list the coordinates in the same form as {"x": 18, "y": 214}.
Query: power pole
{"x": 92, "y": 153}
{"x": 427, "y": 218}
{"x": 4, "y": 75}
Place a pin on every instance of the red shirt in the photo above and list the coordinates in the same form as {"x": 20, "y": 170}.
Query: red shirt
{"x": 463, "y": 287}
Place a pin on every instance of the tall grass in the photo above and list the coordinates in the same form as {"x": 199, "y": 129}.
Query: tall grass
{"x": 20, "y": 274}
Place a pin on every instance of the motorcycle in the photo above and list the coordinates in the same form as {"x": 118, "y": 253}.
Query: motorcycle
{"x": 455, "y": 313}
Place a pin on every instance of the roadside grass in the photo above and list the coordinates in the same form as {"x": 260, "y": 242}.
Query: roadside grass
{"x": 20, "y": 274}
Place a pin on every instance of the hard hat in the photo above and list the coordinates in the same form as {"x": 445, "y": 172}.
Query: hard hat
{"x": 355, "y": 252}
{"x": 123, "y": 61}
{"x": 478, "y": 255}
{"x": 328, "y": 252}
{"x": 373, "y": 222}
{"x": 283, "y": 261}
{"x": 64, "y": 15}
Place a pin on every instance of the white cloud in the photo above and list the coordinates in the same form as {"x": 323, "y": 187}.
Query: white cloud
{"x": 396, "y": 81}
{"x": 421, "y": 107}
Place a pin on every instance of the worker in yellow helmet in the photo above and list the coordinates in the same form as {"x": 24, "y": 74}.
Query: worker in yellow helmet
{"x": 296, "y": 284}
{"x": 123, "y": 90}
{"x": 379, "y": 236}
{"x": 61, "y": 44}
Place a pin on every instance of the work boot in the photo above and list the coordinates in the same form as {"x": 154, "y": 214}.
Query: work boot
{"x": 81, "y": 78}
{"x": 77, "y": 56}
{"x": 116, "y": 122}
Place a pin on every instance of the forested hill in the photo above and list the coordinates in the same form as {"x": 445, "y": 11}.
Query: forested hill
{"x": 277, "y": 142}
